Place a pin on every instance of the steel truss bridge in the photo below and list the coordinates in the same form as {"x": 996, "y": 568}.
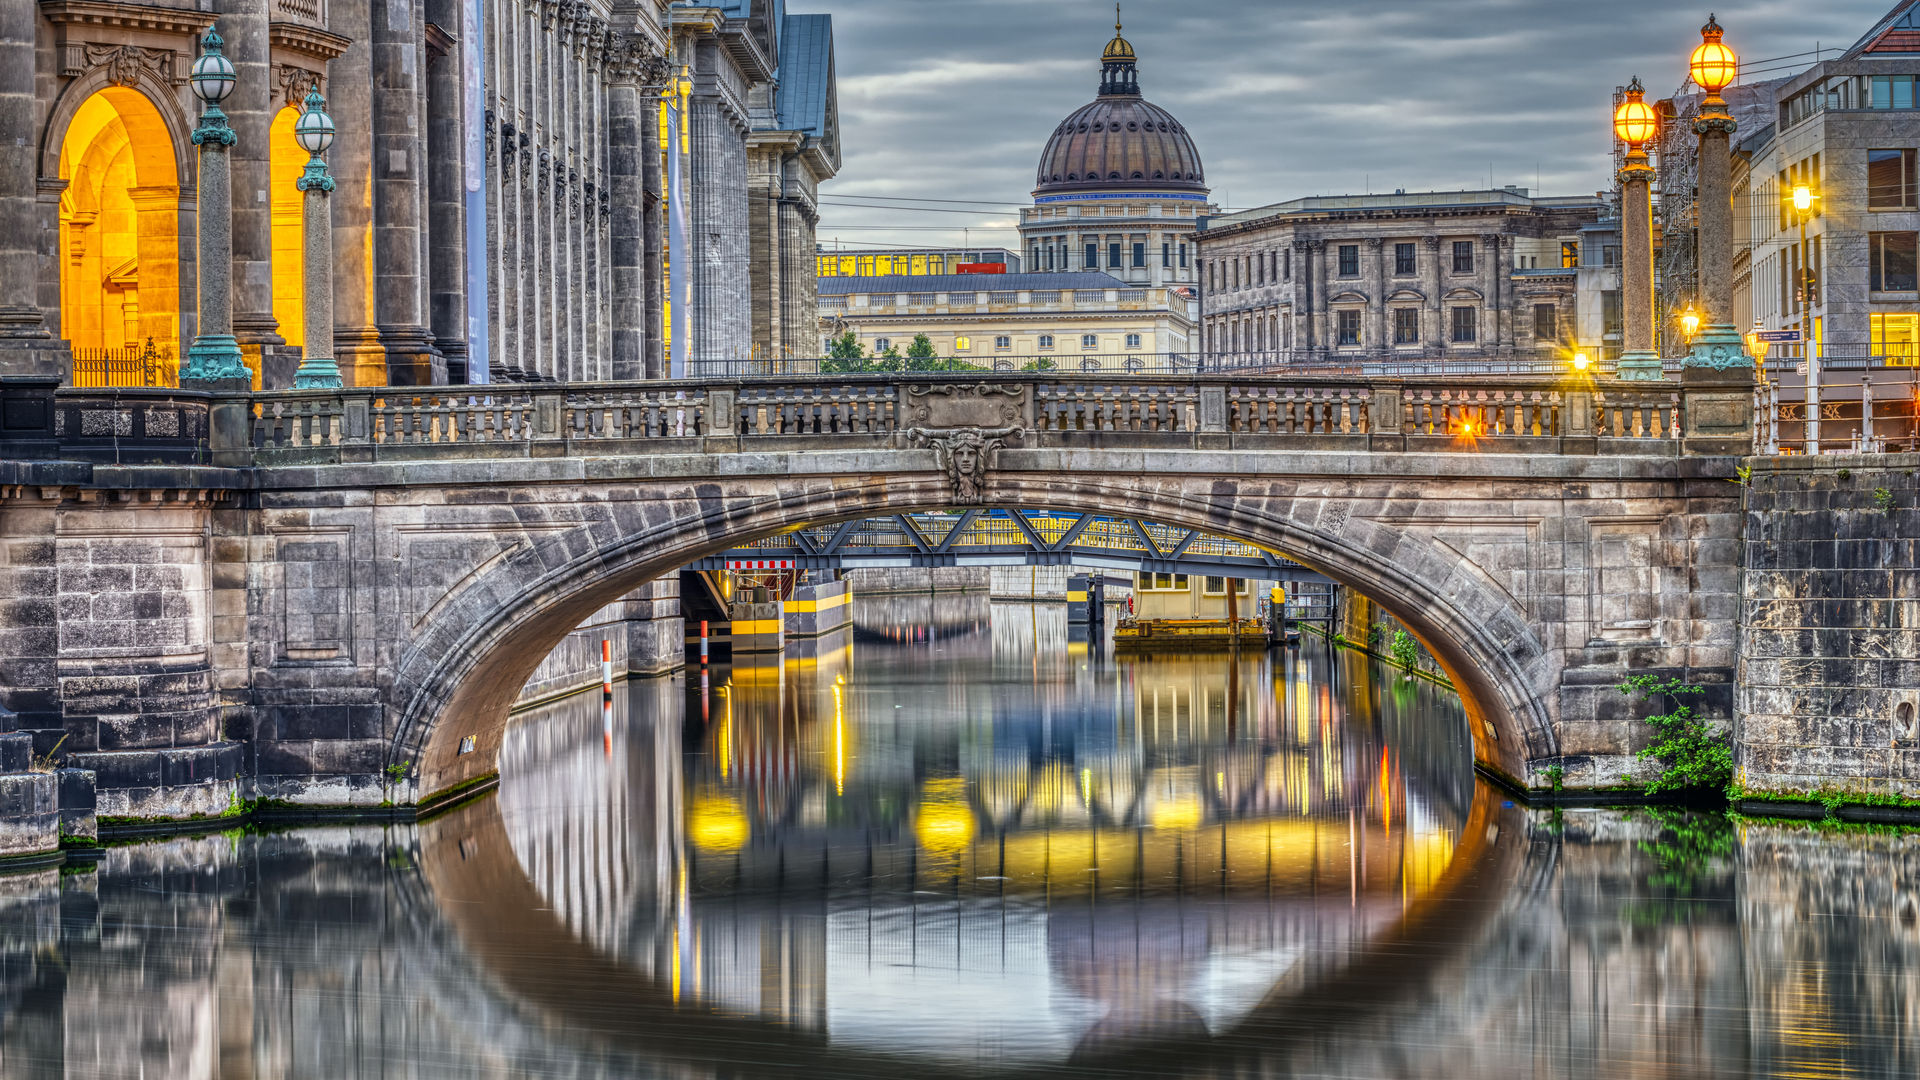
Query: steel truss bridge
{"x": 1011, "y": 537}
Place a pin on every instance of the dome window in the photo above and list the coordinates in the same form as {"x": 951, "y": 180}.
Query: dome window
{"x": 1073, "y": 176}
{"x": 1138, "y": 175}
{"x": 1083, "y": 126}
{"x": 1157, "y": 175}
{"x": 1113, "y": 175}
{"x": 1096, "y": 125}
{"x": 1131, "y": 126}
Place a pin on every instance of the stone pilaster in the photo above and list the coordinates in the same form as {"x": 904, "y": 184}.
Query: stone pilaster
{"x": 1487, "y": 263}
{"x": 249, "y": 110}
{"x": 718, "y": 220}
{"x": 27, "y": 346}
{"x": 1377, "y": 340}
{"x": 1436, "y": 335}
{"x": 1638, "y": 360}
{"x": 799, "y": 288}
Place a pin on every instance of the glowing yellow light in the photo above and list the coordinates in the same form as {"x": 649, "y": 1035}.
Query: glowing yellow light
{"x": 1466, "y": 427}
{"x": 1712, "y": 65}
{"x": 839, "y": 743}
{"x": 1086, "y": 787}
{"x": 1689, "y": 322}
{"x": 718, "y": 823}
{"x": 1580, "y": 361}
{"x": 944, "y": 822}
{"x": 1634, "y": 121}
{"x": 1802, "y": 198}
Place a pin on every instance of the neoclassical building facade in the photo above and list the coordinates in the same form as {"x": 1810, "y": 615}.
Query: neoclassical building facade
{"x": 508, "y": 177}
{"x": 1482, "y": 275}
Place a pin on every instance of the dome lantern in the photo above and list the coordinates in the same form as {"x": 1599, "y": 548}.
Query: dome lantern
{"x": 1117, "y": 73}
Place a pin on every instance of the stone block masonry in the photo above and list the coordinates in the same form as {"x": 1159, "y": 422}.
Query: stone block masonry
{"x": 1828, "y": 685}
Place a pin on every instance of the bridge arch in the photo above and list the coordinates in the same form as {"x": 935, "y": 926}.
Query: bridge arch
{"x": 455, "y": 677}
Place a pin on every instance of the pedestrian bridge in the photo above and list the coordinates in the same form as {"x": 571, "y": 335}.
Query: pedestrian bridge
{"x": 976, "y": 537}
{"x": 359, "y": 582}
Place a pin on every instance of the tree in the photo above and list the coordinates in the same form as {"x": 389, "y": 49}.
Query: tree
{"x": 920, "y": 355}
{"x": 1693, "y": 753}
{"x": 846, "y": 347}
{"x": 1042, "y": 364}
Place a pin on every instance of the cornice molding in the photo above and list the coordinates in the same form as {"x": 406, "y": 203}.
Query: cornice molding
{"x": 159, "y": 18}
{"x": 307, "y": 40}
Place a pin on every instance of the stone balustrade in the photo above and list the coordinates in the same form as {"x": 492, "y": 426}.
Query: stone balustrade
{"x": 1035, "y": 409}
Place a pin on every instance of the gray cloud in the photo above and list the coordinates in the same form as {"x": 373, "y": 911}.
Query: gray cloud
{"x": 953, "y": 99}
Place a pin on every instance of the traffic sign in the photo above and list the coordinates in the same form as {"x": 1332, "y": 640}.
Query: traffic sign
{"x": 1778, "y": 337}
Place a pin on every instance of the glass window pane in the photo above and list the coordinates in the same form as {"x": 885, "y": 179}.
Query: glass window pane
{"x": 1903, "y": 91}
{"x": 1897, "y": 268}
{"x": 1882, "y": 92}
{"x": 1885, "y": 185}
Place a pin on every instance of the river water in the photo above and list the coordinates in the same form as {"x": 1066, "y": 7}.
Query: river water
{"x": 959, "y": 842}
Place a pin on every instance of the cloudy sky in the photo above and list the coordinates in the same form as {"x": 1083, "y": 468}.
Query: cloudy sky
{"x": 945, "y": 104}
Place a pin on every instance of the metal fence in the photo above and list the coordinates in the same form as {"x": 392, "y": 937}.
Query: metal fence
{"x": 119, "y": 367}
{"x": 1273, "y": 362}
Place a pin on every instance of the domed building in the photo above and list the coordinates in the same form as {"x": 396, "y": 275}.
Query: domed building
{"x": 1119, "y": 185}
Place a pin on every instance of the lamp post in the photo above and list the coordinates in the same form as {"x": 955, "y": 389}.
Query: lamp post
{"x": 1803, "y": 197}
{"x": 1716, "y": 354}
{"x": 314, "y": 132}
{"x": 1689, "y": 323}
{"x": 1634, "y": 122}
{"x": 214, "y": 354}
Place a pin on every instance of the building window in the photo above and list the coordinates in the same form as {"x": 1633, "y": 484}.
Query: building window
{"x": 1113, "y": 254}
{"x": 1286, "y": 265}
{"x": 1349, "y": 327}
{"x": 1890, "y": 180}
{"x": 1611, "y": 319}
{"x": 881, "y": 344}
{"x": 1403, "y": 259}
{"x": 1896, "y": 337}
{"x": 1089, "y": 341}
{"x": 1406, "y": 325}
{"x": 1139, "y": 254}
{"x": 1133, "y": 341}
{"x": 1892, "y": 261}
{"x": 1463, "y": 325}
{"x": 1546, "y": 322}
{"x": 1349, "y": 260}
{"x": 1610, "y": 255}
{"x": 1183, "y": 256}
{"x": 1093, "y": 256}
{"x": 1463, "y": 256}
{"x": 1166, "y": 253}
{"x": 1002, "y": 341}
{"x": 962, "y": 344}
{"x": 1160, "y": 582}
{"x": 1046, "y": 341}
{"x": 1890, "y": 92}
{"x": 1569, "y": 254}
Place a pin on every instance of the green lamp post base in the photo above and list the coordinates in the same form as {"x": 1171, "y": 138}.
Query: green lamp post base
{"x": 1641, "y": 366}
{"x": 215, "y": 356}
{"x": 320, "y": 373}
{"x": 1719, "y": 348}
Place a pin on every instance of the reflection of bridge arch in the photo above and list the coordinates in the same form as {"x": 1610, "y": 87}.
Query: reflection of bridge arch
{"x": 527, "y": 949}
{"x": 459, "y": 671}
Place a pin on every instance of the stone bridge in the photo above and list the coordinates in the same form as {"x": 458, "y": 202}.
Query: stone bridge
{"x": 332, "y": 597}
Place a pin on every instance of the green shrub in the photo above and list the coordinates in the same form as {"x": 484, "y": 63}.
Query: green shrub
{"x": 1406, "y": 651}
{"x": 1693, "y": 753}
{"x": 1883, "y": 500}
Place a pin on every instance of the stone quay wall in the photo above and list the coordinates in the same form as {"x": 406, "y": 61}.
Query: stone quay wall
{"x": 1828, "y": 680}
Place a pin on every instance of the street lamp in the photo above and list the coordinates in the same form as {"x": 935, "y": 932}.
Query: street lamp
{"x": 1716, "y": 353}
{"x": 214, "y": 354}
{"x": 1580, "y": 361}
{"x": 1803, "y": 198}
{"x": 314, "y": 132}
{"x": 1689, "y": 322}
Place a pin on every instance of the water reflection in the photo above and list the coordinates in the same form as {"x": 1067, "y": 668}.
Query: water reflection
{"x": 974, "y": 850}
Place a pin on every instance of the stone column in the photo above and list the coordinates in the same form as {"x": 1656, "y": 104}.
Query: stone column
{"x": 1638, "y": 358}
{"x": 721, "y": 330}
{"x": 317, "y": 367}
{"x": 1297, "y": 288}
{"x": 627, "y": 157}
{"x": 27, "y": 347}
{"x": 399, "y": 166}
{"x": 446, "y": 193}
{"x": 799, "y": 295}
{"x": 1436, "y": 335}
{"x": 1488, "y": 331}
{"x": 356, "y": 341}
{"x": 250, "y": 112}
{"x": 1718, "y": 354}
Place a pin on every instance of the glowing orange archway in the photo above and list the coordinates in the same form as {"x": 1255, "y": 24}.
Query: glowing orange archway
{"x": 119, "y": 242}
{"x": 285, "y": 160}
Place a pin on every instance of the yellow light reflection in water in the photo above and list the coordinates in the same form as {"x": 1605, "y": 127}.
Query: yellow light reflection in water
{"x": 944, "y": 822}
{"x": 1086, "y": 788}
{"x": 717, "y": 823}
{"x": 1177, "y": 812}
{"x": 839, "y": 741}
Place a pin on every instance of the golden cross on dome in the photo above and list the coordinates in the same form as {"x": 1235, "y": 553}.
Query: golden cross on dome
{"x": 1116, "y": 20}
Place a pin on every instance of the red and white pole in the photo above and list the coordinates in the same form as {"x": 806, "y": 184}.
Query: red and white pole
{"x": 606, "y": 695}
{"x": 703, "y": 643}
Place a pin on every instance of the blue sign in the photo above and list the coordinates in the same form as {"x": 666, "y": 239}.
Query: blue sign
{"x": 1778, "y": 337}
